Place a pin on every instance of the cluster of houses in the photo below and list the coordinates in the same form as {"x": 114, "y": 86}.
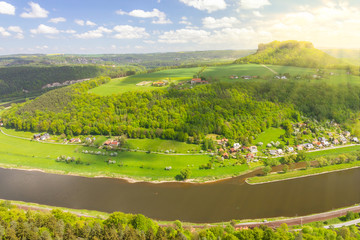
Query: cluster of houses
{"x": 159, "y": 83}
{"x": 249, "y": 77}
{"x": 41, "y": 137}
{"x": 69, "y": 82}
{"x": 112, "y": 143}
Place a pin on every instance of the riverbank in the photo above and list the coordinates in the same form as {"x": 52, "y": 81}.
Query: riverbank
{"x": 238, "y": 224}
{"x": 300, "y": 173}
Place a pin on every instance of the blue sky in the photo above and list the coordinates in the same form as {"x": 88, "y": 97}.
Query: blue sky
{"x": 137, "y": 26}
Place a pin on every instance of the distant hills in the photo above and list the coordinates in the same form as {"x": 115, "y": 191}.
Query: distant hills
{"x": 292, "y": 53}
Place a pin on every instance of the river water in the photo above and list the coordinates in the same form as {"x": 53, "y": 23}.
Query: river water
{"x": 199, "y": 203}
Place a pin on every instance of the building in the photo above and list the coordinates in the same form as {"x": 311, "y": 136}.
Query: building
{"x": 253, "y": 149}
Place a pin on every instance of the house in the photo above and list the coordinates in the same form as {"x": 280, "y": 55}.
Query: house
{"x": 280, "y": 77}
{"x": 198, "y": 81}
{"x": 326, "y": 143}
{"x": 237, "y": 146}
{"x": 37, "y": 136}
{"x": 336, "y": 142}
{"x": 159, "y": 84}
{"x": 75, "y": 140}
{"x": 114, "y": 143}
{"x": 44, "y": 136}
{"x": 234, "y": 77}
{"x": 300, "y": 147}
{"x": 232, "y": 150}
{"x": 273, "y": 152}
{"x": 346, "y": 134}
{"x": 225, "y": 155}
{"x": 1, "y": 124}
{"x": 253, "y": 149}
{"x": 246, "y": 77}
{"x": 269, "y": 145}
{"x": 355, "y": 139}
{"x": 249, "y": 156}
{"x": 322, "y": 139}
{"x": 343, "y": 140}
{"x": 308, "y": 146}
{"x": 290, "y": 149}
{"x": 280, "y": 151}
{"x": 222, "y": 141}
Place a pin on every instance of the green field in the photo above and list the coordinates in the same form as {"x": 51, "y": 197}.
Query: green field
{"x": 271, "y": 134}
{"x": 121, "y": 85}
{"x": 302, "y": 172}
{"x": 221, "y": 73}
{"x": 159, "y": 145}
{"x": 19, "y": 153}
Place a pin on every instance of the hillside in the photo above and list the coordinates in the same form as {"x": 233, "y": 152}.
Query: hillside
{"x": 291, "y": 53}
{"x": 24, "y": 80}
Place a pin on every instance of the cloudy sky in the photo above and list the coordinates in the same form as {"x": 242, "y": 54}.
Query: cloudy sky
{"x": 123, "y": 26}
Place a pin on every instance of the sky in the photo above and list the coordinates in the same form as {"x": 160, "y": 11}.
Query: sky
{"x": 145, "y": 26}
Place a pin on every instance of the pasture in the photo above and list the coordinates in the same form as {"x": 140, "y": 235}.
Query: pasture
{"x": 27, "y": 154}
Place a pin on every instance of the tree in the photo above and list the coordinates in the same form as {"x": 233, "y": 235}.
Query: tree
{"x": 301, "y": 156}
{"x": 285, "y": 168}
{"x": 184, "y": 174}
{"x": 266, "y": 170}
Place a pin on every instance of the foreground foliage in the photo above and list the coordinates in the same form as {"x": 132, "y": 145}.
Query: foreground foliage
{"x": 20, "y": 224}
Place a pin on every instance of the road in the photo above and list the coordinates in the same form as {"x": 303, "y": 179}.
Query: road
{"x": 344, "y": 224}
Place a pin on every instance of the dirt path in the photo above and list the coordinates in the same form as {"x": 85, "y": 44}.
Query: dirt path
{"x": 271, "y": 70}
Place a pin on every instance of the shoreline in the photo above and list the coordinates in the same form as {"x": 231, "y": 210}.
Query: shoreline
{"x": 124, "y": 178}
{"x": 307, "y": 175}
{"x": 245, "y": 223}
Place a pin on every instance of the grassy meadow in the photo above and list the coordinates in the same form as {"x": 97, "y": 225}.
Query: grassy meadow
{"x": 159, "y": 145}
{"x": 20, "y": 153}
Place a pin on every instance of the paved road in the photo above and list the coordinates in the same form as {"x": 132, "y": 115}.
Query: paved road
{"x": 344, "y": 224}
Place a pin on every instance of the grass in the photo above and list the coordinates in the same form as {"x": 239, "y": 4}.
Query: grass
{"x": 159, "y": 145}
{"x": 19, "y": 153}
{"x": 271, "y": 134}
{"x": 221, "y": 73}
{"x": 302, "y": 172}
{"x": 121, "y": 85}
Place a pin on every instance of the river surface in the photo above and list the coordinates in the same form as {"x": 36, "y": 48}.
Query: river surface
{"x": 201, "y": 203}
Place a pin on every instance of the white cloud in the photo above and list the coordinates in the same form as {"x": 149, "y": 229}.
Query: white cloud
{"x": 257, "y": 14}
{"x": 184, "y": 36}
{"x": 253, "y": 4}
{"x": 98, "y": 33}
{"x": 4, "y": 33}
{"x": 44, "y": 47}
{"x": 80, "y": 22}
{"x": 90, "y": 23}
{"x": 158, "y": 16}
{"x": 83, "y": 23}
{"x": 57, "y": 20}
{"x": 35, "y": 12}
{"x": 206, "y": 5}
{"x": 7, "y": 8}
{"x": 337, "y": 25}
{"x": 70, "y": 31}
{"x": 211, "y": 23}
{"x": 15, "y": 29}
{"x": 43, "y": 29}
{"x": 184, "y": 20}
{"x": 129, "y": 32}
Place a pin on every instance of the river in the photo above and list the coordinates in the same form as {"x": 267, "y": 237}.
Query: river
{"x": 199, "y": 203}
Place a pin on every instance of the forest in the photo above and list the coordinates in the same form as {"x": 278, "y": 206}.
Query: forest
{"x": 20, "y": 80}
{"x": 184, "y": 115}
{"x": 16, "y": 223}
{"x": 238, "y": 111}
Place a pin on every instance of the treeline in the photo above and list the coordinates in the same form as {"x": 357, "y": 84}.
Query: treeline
{"x": 319, "y": 100}
{"x": 15, "y": 81}
{"x": 295, "y": 53}
{"x": 184, "y": 115}
{"x": 56, "y": 224}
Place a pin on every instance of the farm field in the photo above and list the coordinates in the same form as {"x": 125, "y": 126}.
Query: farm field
{"x": 19, "y": 153}
{"x": 126, "y": 84}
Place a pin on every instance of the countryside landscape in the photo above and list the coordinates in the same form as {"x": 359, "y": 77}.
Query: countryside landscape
{"x": 176, "y": 136}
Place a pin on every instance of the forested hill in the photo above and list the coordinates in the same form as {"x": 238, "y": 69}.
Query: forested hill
{"x": 291, "y": 53}
{"x": 15, "y": 81}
